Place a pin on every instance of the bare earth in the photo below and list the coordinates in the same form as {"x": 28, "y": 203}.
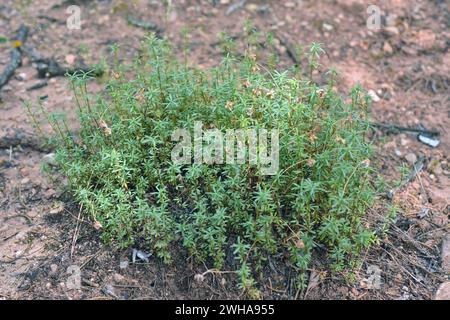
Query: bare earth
{"x": 406, "y": 64}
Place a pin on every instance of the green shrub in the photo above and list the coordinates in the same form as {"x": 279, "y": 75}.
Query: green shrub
{"x": 120, "y": 167}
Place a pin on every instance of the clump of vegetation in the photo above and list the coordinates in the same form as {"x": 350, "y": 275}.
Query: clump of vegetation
{"x": 121, "y": 171}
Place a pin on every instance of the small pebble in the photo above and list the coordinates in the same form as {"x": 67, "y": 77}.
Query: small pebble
{"x": 118, "y": 278}
{"x": 53, "y": 268}
{"x": 411, "y": 158}
{"x": 123, "y": 264}
{"x": 327, "y": 27}
{"x": 373, "y": 95}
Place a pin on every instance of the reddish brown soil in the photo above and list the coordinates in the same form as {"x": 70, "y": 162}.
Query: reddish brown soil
{"x": 407, "y": 64}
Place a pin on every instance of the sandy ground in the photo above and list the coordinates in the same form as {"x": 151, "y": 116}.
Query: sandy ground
{"x": 405, "y": 64}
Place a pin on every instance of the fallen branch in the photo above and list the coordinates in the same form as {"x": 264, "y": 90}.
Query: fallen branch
{"x": 290, "y": 50}
{"x": 142, "y": 24}
{"x": 48, "y": 68}
{"x": 34, "y": 55}
{"x": 16, "y": 56}
{"x": 37, "y": 85}
{"x": 235, "y": 6}
{"x": 395, "y": 129}
{"x": 146, "y": 25}
{"x": 16, "y": 137}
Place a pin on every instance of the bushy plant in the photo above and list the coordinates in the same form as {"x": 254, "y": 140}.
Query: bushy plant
{"x": 120, "y": 167}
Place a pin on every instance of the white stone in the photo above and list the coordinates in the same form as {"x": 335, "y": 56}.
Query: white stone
{"x": 373, "y": 95}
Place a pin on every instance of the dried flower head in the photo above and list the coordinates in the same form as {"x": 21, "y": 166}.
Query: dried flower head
{"x": 106, "y": 129}
{"x": 312, "y": 137}
{"x": 320, "y": 93}
{"x": 256, "y": 68}
{"x": 140, "y": 96}
{"x": 257, "y": 92}
{"x": 115, "y": 75}
{"x": 340, "y": 139}
{"x": 299, "y": 244}
{"x": 270, "y": 93}
{"x": 229, "y": 105}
